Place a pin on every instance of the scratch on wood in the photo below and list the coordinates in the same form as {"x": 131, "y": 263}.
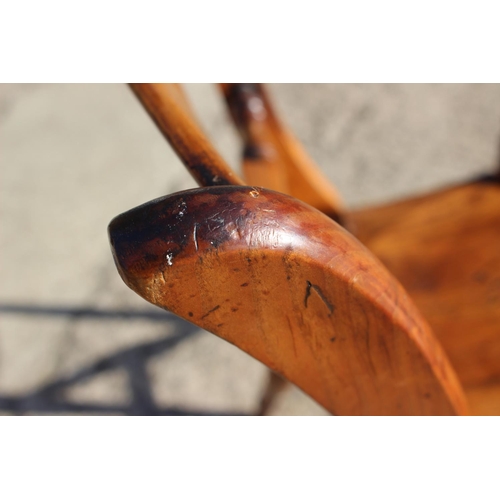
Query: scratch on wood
{"x": 318, "y": 290}
{"x": 195, "y": 235}
{"x": 293, "y": 336}
{"x": 152, "y": 289}
{"x": 308, "y": 292}
{"x": 210, "y": 312}
{"x": 366, "y": 332}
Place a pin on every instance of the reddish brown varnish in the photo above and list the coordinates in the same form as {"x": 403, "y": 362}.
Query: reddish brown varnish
{"x": 290, "y": 287}
{"x": 272, "y": 157}
{"x": 445, "y": 249}
{"x": 313, "y": 304}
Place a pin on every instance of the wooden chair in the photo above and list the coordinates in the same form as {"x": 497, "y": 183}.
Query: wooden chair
{"x": 291, "y": 287}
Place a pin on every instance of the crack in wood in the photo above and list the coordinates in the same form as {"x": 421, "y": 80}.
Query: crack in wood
{"x": 321, "y": 295}
{"x": 210, "y": 312}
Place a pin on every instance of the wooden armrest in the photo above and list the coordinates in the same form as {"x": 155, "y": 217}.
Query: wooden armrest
{"x": 291, "y": 288}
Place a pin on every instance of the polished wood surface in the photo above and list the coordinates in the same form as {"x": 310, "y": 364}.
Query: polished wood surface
{"x": 484, "y": 399}
{"x": 272, "y": 156}
{"x": 289, "y": 286}
{"x": 444, "y": 248}
{"x": 168, "y": 107}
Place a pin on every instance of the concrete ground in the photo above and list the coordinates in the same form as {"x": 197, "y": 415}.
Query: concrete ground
{"x": 73, "y": 338}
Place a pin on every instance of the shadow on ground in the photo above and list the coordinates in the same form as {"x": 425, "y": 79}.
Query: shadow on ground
{"x": 49, "y": 398}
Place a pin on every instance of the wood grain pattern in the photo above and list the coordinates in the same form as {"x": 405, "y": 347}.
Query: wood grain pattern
{"x": 290, "y": 287}
{"x": 272, "y": 156}
{"x": 484, "y": 399}
{"x": 444, "y": 248}
{"x": 167, "y": 106}
{"x": 313, "y": 304}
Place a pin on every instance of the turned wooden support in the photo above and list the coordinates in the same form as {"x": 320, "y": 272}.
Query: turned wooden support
{"x": 167, "y": 106}
{"x": 272, "y": 156}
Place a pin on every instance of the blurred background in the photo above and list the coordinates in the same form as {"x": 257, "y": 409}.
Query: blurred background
{"x": 73, "y": 338}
